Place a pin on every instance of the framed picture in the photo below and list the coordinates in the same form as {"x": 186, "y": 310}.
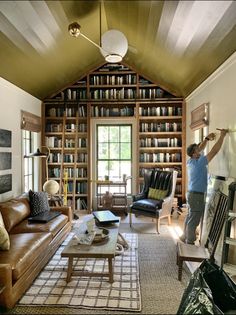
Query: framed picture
{"x": 5, "y": 183}
{"x": 5, "y": 160}
{"x": 5, "y": 138}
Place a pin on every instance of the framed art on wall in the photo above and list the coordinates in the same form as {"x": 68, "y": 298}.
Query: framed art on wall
{"x": 5, "y": 160}
{"x": 5, "y": 138}
{"x": 5, "y": 183}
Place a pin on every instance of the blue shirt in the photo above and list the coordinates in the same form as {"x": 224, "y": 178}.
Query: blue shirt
{"x": 197, "y": 174}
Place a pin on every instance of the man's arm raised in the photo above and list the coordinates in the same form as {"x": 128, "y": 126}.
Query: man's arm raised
{"x": 217, "y": 146}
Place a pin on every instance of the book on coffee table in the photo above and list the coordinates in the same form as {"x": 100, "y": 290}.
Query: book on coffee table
{"x": 105, "y": 217}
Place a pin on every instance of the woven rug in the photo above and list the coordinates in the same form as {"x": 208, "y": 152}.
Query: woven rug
{"x": 51, "y": 289}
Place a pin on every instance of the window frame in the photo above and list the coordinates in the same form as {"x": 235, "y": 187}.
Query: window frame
{"x": 119, "y": 160}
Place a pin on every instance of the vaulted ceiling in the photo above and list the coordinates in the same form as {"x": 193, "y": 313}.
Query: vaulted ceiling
{"x": 176, "y": 44}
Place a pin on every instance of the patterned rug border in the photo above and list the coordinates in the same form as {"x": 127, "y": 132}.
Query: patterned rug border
{"x": 109, "y": 308}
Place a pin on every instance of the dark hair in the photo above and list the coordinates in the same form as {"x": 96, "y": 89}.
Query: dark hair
{"x": 191, "y": 149}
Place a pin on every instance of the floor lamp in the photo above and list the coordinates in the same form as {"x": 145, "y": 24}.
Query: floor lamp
{"x": 50, "y": 186}
{"x": 41, "y": 154}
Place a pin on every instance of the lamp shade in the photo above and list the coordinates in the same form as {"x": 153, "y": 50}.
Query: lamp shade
{"x": 114, "y": 46}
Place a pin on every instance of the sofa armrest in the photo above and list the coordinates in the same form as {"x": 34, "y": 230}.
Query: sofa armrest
{"x": 6, "y": 279}
{"x": 65, "y": 210}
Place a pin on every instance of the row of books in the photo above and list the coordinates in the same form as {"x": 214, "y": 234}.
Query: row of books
{"x": 150, "y": 93}
{"x": 75, "y": 94}
{"x": 81, "y": 204}
{"x": 160, "y": 142}
{"x": 55, "y": 112}
{"x": 160, "y": 111}
{"x": 113, "y": 79}
{"x": 113, "y": 67}
{"x": 70, "y": 143}
{"x": 80, "y": 187}
{"x": 55, "y": 172}
{"x": 113, "y": 93}
{"x": 100, "y": 111}
{"x": 53, "y": 142}
{"x": 51, "y": 127}
{"x": 68, "y": 111}
{"x": 160, "y": 157}
{"x": 79, "y": 172}
{"x": 159, "y": 127}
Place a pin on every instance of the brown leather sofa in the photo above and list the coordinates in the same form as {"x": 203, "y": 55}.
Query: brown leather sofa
{"x": 31, "y": 247}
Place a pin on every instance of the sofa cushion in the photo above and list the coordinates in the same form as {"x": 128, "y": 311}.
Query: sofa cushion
{"x": 14, "y": 211}
{"x": 157, "y": 194}
{"x": 53, "y": 226}
{"x": 4, "y": 237}
{"x": 25, "y": 249}
{"x": 38, "y": 202}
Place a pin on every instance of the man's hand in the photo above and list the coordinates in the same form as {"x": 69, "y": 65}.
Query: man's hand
{"x": 211, "y": 136}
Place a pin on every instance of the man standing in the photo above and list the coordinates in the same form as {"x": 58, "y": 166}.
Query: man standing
{"x": 197, "y": 183}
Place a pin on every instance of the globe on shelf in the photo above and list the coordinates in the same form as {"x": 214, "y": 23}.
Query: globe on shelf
{"x": 51, "y": 187}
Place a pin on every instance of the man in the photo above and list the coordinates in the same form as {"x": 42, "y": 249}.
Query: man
{"x": 197, "y": 183}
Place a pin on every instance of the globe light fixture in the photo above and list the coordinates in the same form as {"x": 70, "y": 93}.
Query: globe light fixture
{"x": 114, "y": 44}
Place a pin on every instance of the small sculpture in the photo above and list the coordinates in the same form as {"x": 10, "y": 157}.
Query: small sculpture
{"x": 107, "y": 200}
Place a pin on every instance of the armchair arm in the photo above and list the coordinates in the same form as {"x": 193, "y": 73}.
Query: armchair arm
{"x": 167, "y": 205}
{"x": 139, "y": 197}
{"x": 65, "y": 210}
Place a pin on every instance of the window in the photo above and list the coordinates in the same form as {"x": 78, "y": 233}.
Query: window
{"x": 28, "y": 163}
{"x": 114, "y": 152}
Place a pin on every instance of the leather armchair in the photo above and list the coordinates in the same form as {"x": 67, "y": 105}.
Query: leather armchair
{"x": 160, "y": 204}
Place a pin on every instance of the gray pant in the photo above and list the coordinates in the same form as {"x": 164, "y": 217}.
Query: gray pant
{"x": 196, "y": 206}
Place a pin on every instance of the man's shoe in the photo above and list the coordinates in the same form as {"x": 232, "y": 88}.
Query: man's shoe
{"x": 182, "y": 238}
{"x": 190, "y": 243}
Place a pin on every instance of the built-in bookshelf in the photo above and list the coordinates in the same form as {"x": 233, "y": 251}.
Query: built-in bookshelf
{"x": 66, "y": 136}
{"x": 112, "y": 91}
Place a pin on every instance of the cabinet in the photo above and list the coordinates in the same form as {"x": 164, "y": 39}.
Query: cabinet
{"x": 113, "y": 92}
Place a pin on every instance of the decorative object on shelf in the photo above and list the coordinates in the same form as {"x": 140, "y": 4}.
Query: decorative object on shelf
{"x": 107, "y": 200}
{"x": 51, "y": 187}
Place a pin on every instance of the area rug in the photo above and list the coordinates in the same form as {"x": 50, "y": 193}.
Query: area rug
{"x": 51, "y": 289}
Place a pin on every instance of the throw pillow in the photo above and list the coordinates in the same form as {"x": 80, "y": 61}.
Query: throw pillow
{"x": 38, "y": 202}
{"x": 156, "y": 193}
{"x": 4, "y": 237}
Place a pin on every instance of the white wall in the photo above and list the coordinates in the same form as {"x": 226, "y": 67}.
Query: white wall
{"x": 220, "y": 91}
{"x": 12, "y": 101}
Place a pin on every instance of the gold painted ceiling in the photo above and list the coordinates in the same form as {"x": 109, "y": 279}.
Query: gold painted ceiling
{"x": 176, "y": 44}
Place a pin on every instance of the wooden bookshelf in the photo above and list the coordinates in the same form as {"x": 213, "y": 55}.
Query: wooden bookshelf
{"x": 114, "y": 92}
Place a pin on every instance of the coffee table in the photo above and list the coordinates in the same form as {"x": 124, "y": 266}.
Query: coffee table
{"x": 105, "y": 250}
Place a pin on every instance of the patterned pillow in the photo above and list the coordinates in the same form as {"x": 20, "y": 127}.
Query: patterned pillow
{"x": 38, "y": 202}
{"x": 4, "y": 237}
{"x": 157, "y": 194}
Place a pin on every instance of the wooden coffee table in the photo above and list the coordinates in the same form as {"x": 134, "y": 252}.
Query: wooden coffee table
{"x": 106, "y": 249}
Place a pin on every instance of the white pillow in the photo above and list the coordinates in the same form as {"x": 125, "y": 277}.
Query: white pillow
{"x": 4, "y": 237}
